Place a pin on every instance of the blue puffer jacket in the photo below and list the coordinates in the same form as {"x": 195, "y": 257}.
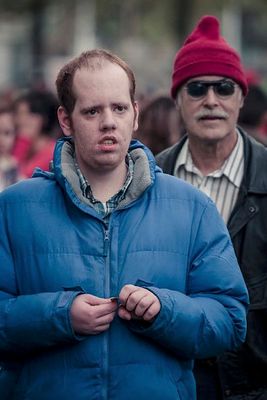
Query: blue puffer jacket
{"x": 166, "y": 236}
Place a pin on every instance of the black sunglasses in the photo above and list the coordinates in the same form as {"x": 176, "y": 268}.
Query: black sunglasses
{"x": 222, "y": 88}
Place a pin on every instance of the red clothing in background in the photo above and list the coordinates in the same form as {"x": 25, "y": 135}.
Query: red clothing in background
{"x": 29, "y": 160}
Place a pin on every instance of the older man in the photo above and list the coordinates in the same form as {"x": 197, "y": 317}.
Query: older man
{"x": 216, "y": 156}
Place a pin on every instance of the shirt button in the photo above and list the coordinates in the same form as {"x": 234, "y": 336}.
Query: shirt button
{"x": 251, "y": 209}
{"x": 228, "y": 392}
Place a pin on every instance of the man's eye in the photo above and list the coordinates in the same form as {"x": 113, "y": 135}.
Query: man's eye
{"x": 120, "y": 108}
{"x": 89, "y": 112}
{"x": 92, "y": 111}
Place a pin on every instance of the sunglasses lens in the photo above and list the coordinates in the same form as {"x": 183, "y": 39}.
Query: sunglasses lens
{"x": 196, "y": 89}
{"x": 225, "y": 88}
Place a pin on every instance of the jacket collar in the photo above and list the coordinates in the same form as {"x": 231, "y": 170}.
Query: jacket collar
{"x": 65, "y": 173}
{"x": 255, "y": 176}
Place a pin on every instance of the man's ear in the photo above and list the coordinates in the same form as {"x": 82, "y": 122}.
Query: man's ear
{"x": 136, "y": 116}
{"x": 177, "y": 101}
{"x": 64, "y": 121}
{"x": 242, "y": 101}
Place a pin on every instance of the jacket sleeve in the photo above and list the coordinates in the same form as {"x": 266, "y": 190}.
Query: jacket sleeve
{"x": 210, "y": 317}
{"x": 29, "y": 322}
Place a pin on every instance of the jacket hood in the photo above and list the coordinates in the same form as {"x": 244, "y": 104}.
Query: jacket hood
{"x": 64, "y": 172}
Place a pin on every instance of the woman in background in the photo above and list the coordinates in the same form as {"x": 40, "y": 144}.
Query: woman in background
{"x": 159, "y": 124}
{"x": 37, "y": 130}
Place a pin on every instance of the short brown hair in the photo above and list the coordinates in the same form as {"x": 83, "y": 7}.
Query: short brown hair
{"x": 92, "y": 59}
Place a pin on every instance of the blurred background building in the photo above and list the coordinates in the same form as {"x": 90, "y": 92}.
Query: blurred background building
{"x": 38, "y": 36}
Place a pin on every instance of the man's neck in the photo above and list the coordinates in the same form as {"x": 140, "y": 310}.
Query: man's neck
{"x": 104, "y": 185}
{"x": 209, "y": 156}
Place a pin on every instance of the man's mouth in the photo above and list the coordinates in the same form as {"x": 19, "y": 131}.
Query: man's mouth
{"x": 107, "y": 143}
{"x": 211, "y": 118}
{"x": 108, "y": 140}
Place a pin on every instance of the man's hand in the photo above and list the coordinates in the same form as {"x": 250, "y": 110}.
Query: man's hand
{"x": 91, "y": 315}
{"x": 138, "y": 303}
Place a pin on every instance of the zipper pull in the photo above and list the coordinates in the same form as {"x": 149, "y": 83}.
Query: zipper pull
{"x": 106, "y": 242}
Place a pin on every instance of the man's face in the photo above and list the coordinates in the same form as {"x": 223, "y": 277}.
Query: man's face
{"x": 211, "y": 117}
{"x": 103, "y": 118}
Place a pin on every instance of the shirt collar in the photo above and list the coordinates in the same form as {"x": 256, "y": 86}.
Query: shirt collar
{"x": 86, "y": 188}
{"x": 232, "y": 168}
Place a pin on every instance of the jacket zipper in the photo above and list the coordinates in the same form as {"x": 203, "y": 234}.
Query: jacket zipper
{"x": 106, "y": 242}
{"x": 106, "y": 294}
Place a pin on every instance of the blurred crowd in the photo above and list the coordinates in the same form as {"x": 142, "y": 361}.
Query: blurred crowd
{"x": 253, "y": 114}
{"x": 160, "y": 125}
{"x": 29, "y": 126}
{"x": 28, "y": 132}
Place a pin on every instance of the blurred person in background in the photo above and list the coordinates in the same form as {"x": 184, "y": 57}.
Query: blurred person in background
{"x": 253, "y": 114}
{"x": 111, "y": 293}
{"x": 159, "y": 124}
{"x": 8, "y": 164}
{"x": 37, "y": 130}
{"x": 209, "y": 86}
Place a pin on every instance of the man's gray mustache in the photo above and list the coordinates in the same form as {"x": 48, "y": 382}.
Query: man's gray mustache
{"x": 214, "y": 114}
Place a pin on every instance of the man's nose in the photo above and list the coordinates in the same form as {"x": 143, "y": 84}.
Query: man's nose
{"x": 210, "y": 99}
{"x": 107, "y": 120}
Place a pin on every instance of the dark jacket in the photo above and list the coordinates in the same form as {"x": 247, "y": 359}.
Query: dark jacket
{"x": 246, "y": 368}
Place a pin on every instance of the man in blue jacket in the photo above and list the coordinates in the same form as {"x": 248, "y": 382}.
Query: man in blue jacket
{"x": 114, "y": 276}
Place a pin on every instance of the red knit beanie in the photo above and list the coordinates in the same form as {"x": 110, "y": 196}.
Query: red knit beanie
{"x": 205, "y": 52}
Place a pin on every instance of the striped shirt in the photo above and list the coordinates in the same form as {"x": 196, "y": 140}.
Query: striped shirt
{"x": 222, "y": 185}
{"x": 105, "y": 209}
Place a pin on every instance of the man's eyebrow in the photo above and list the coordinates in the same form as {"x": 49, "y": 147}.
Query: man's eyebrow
{"x": 123, "y": 103}
{"x": 85, "y": 109}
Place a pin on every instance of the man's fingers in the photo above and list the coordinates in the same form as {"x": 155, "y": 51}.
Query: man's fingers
{"x": 106, "y": 319}
{"x": 96, "y": 306}
{"x": 139, "y": 302}
{"x": 134, "y": 299}
{"x": 143, "y": 305}
{"x": 97, "y": 330}
{"x": 124, "y": 314}
{"x": 152, "y": 311}
{"x": 104, "y": 309}
{"x": 94, "y": 300}
{"x": 131, "y": 295}
{"x": 126, "y": 291}
{"x": 87, "y": 317}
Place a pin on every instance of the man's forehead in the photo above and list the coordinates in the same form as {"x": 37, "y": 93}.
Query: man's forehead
{"x": 87, "y": 72}
{"x": 109, "y": 79}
